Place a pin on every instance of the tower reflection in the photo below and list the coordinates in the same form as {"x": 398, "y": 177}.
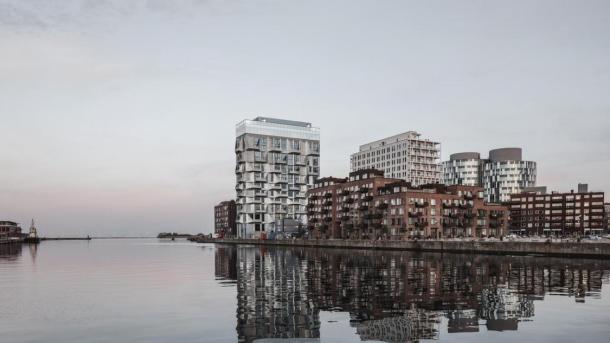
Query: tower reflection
{"x": 393, "y": 296}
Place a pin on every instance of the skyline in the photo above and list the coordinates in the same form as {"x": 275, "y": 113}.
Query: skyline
{"x": 119, "y": 117}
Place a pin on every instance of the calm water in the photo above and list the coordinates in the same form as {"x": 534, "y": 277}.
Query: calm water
{"x": 163, "y": 291}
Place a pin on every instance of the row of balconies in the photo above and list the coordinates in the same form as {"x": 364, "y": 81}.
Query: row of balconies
{"x": 275, "y": 200}
{"x": 460, "y": 205}
{"x": 420, "y": 223}
{"x": 271, "y": 169}
{"x": 282, "y": 208}
{"x": 252, "y": 144}
{"x": 273, "y": 195}
{"x": 373, "y": 216}
{"x": 261, "y": 184}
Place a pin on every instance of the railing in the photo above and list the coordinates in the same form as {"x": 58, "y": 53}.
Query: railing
{"x": 382, "y": 206}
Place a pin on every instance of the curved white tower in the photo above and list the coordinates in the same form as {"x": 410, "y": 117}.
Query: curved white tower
{"x": 502, "y": 174}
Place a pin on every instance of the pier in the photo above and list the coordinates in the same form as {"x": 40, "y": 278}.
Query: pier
{"x": 559, "y": 249}
{"x": 65, "y": 238}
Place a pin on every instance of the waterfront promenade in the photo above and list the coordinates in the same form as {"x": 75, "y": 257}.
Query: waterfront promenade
{"x": 599, "y": 250}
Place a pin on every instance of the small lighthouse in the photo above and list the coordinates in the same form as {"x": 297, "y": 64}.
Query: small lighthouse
{"x": 33, "y": 231}
{"x": 33, "y": 235}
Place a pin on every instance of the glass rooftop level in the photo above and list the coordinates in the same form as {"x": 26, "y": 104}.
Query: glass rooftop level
{"x": 278, "y": 127}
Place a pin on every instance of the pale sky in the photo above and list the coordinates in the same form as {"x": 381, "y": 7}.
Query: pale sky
{"x": 117, "y": 116}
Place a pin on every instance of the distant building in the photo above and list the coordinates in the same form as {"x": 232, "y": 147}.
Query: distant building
{"x": 405, "y": 156}
{"x": 368, "y": 205}
{"x": 224, "y": 219}
{"x": 9, "y": 229}
{"x": 277, "y": 161}
{"x": 557, "y": 214}
{"x": 503, "y": 173}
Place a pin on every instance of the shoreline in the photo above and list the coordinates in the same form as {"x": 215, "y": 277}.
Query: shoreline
{"x": 556, "y": 249}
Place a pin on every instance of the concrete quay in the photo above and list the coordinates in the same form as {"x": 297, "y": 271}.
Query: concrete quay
{"x": 560, "y": 249}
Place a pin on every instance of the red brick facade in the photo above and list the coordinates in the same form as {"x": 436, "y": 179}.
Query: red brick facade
{"x": 558, "y": 214}
{"x": 370, "y": 206}
{"x": 225, "y": 215}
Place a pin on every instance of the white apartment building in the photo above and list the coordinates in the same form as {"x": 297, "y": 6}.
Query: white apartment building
{"x": 502, "y": 174}
{"x": 462, "y": 169}
{"x": 404, "y": 156}
{"x": 277, "y": 161}
{"x": 505, "y": 173}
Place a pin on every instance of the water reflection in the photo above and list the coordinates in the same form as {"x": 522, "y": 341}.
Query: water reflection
{"x": 225, "y": 268}
{"x": 33, "y": 249}
{"x": 13, "y": 252}
{"x": 394, "y": 296}
{"x": 10, "y": 252}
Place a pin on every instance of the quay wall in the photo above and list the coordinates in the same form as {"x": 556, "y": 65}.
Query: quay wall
{"x": 562, "y": 249}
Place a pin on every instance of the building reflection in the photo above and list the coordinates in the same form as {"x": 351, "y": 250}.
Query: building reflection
{"x": 225, "y": 260}
{"x": 394, "y": 296}
{"x": 273, "y": 298}
{"x": 10, "y": 252}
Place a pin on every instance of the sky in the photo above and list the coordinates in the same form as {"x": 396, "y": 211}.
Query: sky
{"x": 118, "y": 117}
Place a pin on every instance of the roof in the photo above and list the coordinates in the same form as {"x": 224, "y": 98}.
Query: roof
{"x": 282, "y": 121}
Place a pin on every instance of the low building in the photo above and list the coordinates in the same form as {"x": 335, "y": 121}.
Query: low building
{"x": 557, "y": 214}
{"x": 368, "y": 205}
{"x": 10, "y": 230}
{"x": 225, "y": 214}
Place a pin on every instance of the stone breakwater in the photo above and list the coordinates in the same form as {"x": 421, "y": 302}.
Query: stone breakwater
{"x": 561, "y": 249}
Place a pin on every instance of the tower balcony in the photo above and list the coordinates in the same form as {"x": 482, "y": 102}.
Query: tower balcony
{"x": 253, "y": 186}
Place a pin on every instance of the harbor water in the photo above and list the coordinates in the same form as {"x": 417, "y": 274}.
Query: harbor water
{"x": 156, "y": 290}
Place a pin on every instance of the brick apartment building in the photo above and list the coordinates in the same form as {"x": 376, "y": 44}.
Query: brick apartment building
{"x": 607, "y": 217}
{"x": 557, "y": 214}
{"x": 225, "y": 214}
{"x": 367, "y": 205}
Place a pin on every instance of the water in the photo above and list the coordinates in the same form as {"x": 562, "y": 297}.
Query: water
{"x": 162, "y": 291}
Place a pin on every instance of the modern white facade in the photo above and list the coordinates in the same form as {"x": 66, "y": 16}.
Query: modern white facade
{"x": 405, "y": 156}
{"x": 502, "y": 174}
{"x": 276, "y": 162}
{"x": 462, "y": 169}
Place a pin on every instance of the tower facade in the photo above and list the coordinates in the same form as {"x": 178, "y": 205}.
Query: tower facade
{"x": 463, "y": 168}
{"x": 505, "y": 173}
{"x": 277, "y": 161}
